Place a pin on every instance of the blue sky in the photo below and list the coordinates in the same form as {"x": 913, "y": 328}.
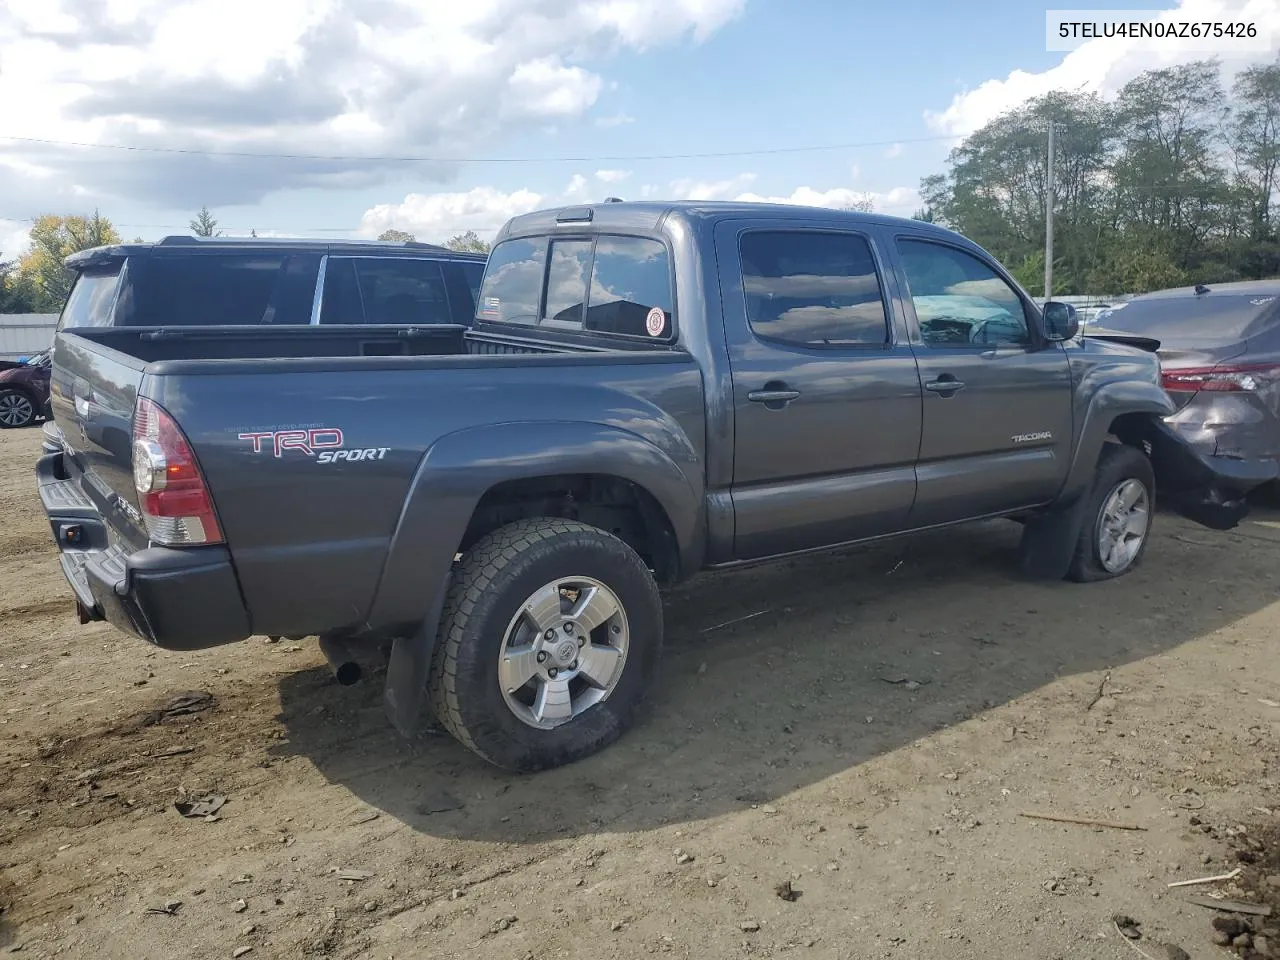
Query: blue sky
{"x": 507, "y": 79}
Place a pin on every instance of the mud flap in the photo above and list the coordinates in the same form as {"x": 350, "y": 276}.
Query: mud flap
{"x": 405, "y": 693}
{"x": 1049, "y": 540}
{"x": 1207, "y": 490}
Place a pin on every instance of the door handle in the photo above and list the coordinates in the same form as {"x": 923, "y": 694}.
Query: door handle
{"x": 775, "y": 395}
{"x": 945, "y": 385}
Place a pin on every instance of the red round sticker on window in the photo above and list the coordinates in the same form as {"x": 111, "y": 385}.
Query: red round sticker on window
{"x": 655, "y": 322}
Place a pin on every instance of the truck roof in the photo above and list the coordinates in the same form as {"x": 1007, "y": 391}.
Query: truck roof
{"x": 383, "y": 248}
{"x": 646, "y": 215}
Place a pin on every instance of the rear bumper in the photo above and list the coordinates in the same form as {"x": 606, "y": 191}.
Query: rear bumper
{"x": 1206, "y": 488}
{"x": 179, "y": 599}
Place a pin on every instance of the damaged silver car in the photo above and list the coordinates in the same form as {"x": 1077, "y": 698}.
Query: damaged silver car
{"x": 1219, "y": 349}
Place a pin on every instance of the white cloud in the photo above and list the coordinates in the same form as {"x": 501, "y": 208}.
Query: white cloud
{"x": 612, "y": 176}
{"x": 900, "y": 201}
{"x": 14, "y": 239}
{"x": 371, "y": 78}
{"x": 893, "y": 152}
{"x": 686, "y": 189}
{"x": 1105, "y": 65}
{"x": 435, "y": 217}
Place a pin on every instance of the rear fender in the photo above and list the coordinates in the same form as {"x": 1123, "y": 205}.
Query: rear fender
{"x": 451, "y": 479}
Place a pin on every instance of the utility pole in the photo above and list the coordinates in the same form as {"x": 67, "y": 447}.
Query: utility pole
{"x": 1048, "y": 223}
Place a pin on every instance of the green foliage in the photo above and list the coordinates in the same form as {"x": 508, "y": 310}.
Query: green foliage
{"x": 467, "y": 242}
{"x": 41, "y": 274}
{"x": 396, "y": 236}
{"x": 1143, "y": 197}
{"x": 204, "y": 225}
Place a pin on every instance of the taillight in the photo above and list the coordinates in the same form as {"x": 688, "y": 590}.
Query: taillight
{"x": 172, "y": 494}
{"x": 1225, "y": 378}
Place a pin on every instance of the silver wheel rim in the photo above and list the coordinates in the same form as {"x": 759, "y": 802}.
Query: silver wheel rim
{"x": 15, "y": 409}
{"x": 1122, "y": 527}
{"x": 563, "y": 652}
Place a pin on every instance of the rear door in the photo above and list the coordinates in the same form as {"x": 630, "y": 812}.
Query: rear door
{"x": 826, "y": 395}
{"x": 997, "y": 424}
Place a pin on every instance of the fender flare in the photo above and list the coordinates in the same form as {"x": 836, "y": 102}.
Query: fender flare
{"x": 453, "y": 476}
{"x": 1109, "y": 401}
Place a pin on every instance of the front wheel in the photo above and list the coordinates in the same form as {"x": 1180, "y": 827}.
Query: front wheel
{"x": 1118, "y": 516}
{"x": 551, "y": 634}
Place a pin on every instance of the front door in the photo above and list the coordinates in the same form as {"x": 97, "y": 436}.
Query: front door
{"x": 997, "y": 396}
{"x": 825, "y": 390}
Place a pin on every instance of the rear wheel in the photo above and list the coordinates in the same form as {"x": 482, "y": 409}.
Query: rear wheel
{"x": 1118, "y": 516}
{"x": 16, "y": 409}
{"x": 550, "y": 637}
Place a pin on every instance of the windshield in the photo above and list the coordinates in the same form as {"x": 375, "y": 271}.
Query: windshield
{"x": 1213, "y": 318}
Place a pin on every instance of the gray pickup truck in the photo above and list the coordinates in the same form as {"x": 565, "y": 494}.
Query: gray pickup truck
{"x": 648, "y": 390}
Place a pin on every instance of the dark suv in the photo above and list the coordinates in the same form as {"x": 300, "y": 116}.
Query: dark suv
{"x": 186, "y": 281}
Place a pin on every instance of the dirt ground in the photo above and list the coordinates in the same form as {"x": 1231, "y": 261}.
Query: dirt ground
{"x": 775, "y": 749}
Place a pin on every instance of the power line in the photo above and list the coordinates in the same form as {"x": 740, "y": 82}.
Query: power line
{"x": 240, "y": 154}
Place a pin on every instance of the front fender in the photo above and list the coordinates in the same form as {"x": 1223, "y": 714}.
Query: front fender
{"x": 1106, "y": 403}
{"x": 454, "y": 475}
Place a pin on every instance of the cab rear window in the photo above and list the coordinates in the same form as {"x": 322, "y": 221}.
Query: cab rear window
{"x": 607, "y": 284}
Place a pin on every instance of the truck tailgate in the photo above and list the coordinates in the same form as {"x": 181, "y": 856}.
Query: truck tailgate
{"x": 94, "y": 391}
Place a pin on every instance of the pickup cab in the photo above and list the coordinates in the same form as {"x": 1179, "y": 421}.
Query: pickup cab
{"x": 648, "y": 390}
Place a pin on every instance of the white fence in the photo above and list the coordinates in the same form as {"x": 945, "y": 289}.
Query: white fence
{"x": 25, "y": 334}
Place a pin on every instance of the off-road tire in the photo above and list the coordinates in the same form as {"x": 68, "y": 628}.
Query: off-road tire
{"x": 493, "y": 579}
{"x": 1117, "y": 463}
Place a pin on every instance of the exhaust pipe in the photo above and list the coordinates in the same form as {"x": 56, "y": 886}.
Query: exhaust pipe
{"x": 341, "y": 659}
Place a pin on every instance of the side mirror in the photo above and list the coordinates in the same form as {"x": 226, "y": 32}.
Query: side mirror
{"x": 1060, "y": 321}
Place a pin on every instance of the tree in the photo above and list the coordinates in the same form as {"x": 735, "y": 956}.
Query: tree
{"x": 17, "y": 294}
{"x": 1255, "y": 142}
{"x": 396, "y": 236}
{"x": 467, "y": 242}
{"x": 204, "y": 225}
{"x": 53, "y": 239}
{"x": 863, "y": 204}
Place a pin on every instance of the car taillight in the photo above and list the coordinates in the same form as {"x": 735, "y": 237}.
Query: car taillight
{"x": 172, "y": 494}
{"x": 1224, "y": 378}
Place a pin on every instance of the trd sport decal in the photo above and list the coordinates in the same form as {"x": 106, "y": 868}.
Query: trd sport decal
{"x": 326, "y": 444}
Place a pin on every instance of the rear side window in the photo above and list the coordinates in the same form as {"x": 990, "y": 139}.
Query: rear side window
{"x": 608, "y": 284}
{"x": 396, "y": 291}
{"x": 813, "y": 289}
{"x": 512, "y": 288}
{"x": 91, "y": 298}
{"x": 220, "y": 290}
{"x": 472, "y": 273}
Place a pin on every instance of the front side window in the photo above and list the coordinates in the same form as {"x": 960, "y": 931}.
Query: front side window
{"x": 512, "y": 288}
{"x": 960, "y": 300}
{"x": 813, "y": 289}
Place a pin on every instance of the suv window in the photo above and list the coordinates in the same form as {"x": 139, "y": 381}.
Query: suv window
{"x": 472, "y": 273}
{"x": 89, "y": 303}
{"x": 220, "y": 289}
{"x": 813, "y": 289}
{"x": 959, "y": 299}
{"x": 402, "y": 291}
{"x": 630, "y": 277}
